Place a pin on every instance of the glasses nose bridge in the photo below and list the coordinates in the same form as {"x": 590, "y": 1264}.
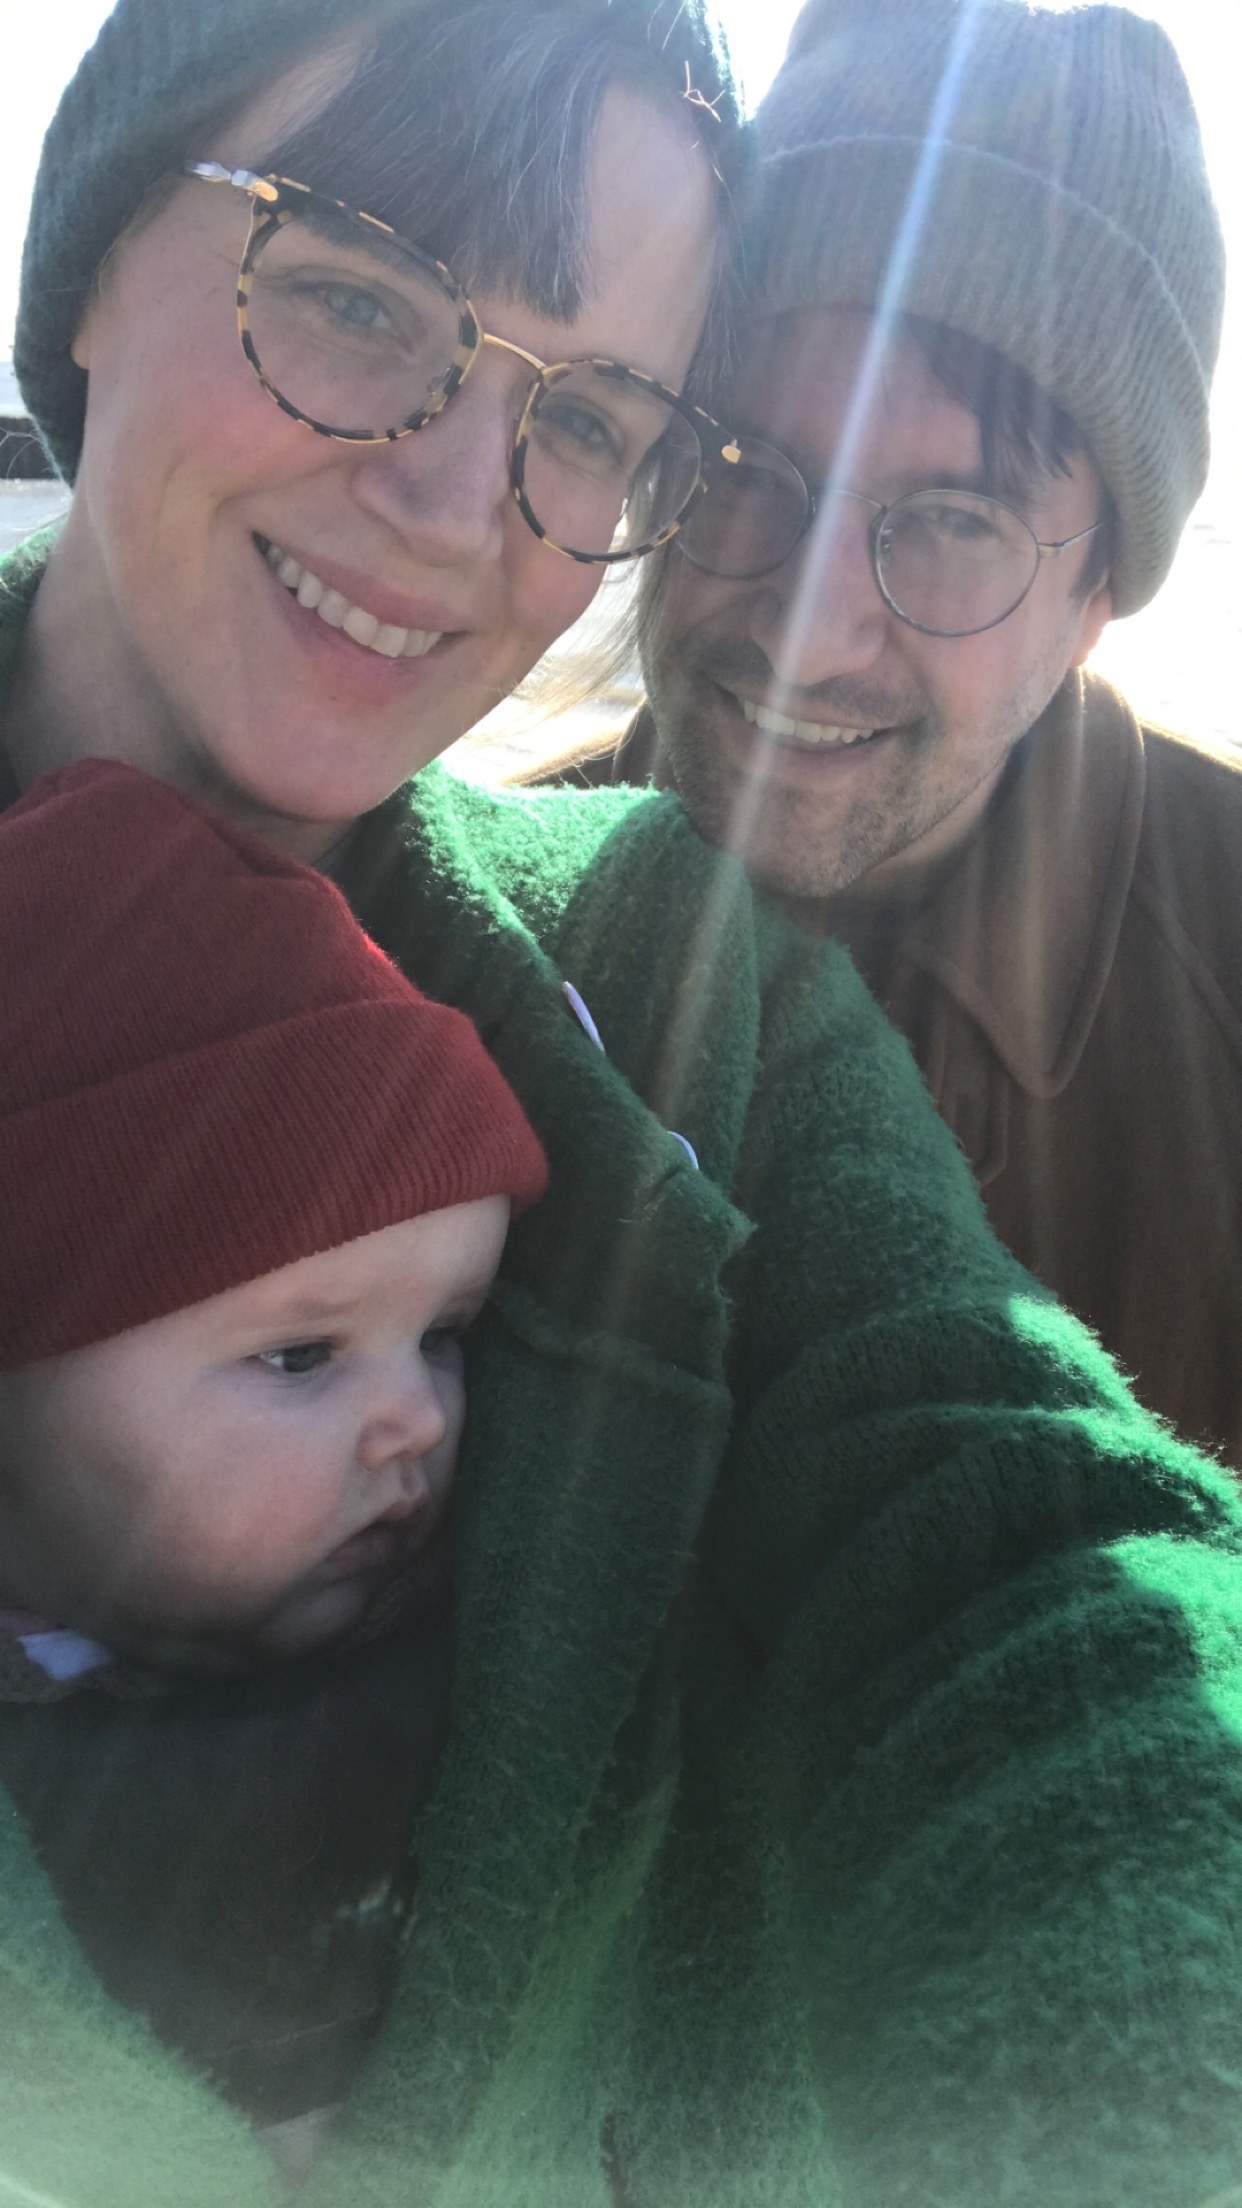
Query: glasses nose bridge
{"x": 506, "y": 345}
{"x": 519, "y": 352}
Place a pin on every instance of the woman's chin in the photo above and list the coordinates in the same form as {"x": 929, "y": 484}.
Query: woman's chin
{"x": 297, "y": 804}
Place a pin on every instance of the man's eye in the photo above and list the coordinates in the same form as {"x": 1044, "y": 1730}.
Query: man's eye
{"x": 947, "y": 520}
{"x": 295, "y": 1358}
{"x": 969, "y": 527}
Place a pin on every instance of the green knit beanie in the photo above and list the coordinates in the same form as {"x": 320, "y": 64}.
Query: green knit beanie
{"x": 1032, "y": 178}
{"x": 159, "y": 74}
{"x": 163, "y": 74}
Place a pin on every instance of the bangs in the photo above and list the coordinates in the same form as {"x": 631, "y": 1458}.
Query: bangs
{"x": 469, "y": 129}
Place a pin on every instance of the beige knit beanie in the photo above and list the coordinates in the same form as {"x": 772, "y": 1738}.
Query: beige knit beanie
{"x": 1032, "y": 178}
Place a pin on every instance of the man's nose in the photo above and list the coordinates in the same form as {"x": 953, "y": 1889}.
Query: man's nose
{"x": 821, "y": 615}
{"x": 445, "y": 489}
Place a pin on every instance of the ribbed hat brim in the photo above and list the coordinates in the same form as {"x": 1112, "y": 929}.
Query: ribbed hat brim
{"x": 240, "y": 1159}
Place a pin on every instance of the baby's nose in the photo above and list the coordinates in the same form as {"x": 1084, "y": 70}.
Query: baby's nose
{"x": 405, "y": 1423}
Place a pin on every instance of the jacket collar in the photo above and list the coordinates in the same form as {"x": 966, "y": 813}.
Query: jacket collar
{"x": 1023, "y": 931}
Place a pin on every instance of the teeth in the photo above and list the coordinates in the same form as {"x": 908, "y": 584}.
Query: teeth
{"x": 365, "y": 628}
{"x": 808, "y": 732}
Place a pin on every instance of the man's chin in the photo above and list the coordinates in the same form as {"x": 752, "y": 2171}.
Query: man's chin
{"x": 756, "y": 827}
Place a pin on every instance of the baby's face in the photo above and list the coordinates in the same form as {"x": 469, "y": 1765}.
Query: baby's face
{"x": 238, "y": 1480}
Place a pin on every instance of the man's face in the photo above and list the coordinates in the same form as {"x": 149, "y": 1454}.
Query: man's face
{"x": 239, "y": 1480}
{"x": 807, "y": 728}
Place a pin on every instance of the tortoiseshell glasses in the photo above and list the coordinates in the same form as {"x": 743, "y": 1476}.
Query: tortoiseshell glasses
{"x": 366, "y": 338}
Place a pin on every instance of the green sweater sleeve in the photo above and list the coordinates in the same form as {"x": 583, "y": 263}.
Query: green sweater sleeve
{"x": 996, "y": 1728}
{"x": 946, "y": 1915}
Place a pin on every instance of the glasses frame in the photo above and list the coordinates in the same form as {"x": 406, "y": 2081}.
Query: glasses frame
{"x": 813, "y": 504}
{"x": 273, "y": 199}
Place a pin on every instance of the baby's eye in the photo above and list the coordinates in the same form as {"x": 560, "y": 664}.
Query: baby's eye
{"x": 295, "y": 1358}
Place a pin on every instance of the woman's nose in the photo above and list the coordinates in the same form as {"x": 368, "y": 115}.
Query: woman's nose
{"x": 445, "y": 488}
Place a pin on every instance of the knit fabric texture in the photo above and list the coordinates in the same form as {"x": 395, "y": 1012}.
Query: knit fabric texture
{"x": 219, "y": 1075}
{"x": 1033, "y": 178}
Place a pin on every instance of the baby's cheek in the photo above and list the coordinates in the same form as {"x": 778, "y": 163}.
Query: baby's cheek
{"x": 229, "y": 1548}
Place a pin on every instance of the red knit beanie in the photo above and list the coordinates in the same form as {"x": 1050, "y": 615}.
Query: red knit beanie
{"x": 207, "y": 1070}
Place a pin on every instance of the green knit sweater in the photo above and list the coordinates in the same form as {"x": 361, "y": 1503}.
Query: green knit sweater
{"x": 844, "y": 1803}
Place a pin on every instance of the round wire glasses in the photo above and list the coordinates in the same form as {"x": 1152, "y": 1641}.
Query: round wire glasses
{"x": 947, "y": 562}
{"x": 365, "y": 338}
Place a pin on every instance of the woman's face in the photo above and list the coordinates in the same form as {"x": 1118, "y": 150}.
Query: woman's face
{"x": 189, "y": 643}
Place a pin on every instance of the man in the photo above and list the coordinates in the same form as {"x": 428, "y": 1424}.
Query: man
{"x": 989, "y": 288}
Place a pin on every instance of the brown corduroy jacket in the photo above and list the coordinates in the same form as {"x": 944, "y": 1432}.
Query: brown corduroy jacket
{"x": 1072, "y": 990}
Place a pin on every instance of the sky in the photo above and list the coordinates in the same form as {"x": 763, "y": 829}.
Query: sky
{"x": 1201, "y": 611}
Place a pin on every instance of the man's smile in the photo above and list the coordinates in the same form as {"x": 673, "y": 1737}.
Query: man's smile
{"x": 818, "y": 735}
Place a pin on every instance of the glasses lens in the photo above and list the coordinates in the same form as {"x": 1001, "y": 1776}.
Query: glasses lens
{"x": 953, "y": 563}
{"x": 604, "y": 464}
{"x": 347, "y": 325}
{"x": 750, "y": 515}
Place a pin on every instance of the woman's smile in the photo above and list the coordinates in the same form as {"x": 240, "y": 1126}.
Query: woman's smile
{"x": 389, "y": 639}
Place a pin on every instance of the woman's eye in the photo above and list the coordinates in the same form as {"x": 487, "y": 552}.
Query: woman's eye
{"x": 356, "y": 309}
{"x": 750, "y": 487}
{"x": 581, "y": 431}
{"x": 294, "y": 1359}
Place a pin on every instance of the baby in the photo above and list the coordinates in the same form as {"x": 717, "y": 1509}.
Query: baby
{"x": 254, "y": 1188}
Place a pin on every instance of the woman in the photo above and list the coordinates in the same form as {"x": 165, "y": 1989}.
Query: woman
{"x": 835, "y": 1636}
{"x": 203, "y": 664}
